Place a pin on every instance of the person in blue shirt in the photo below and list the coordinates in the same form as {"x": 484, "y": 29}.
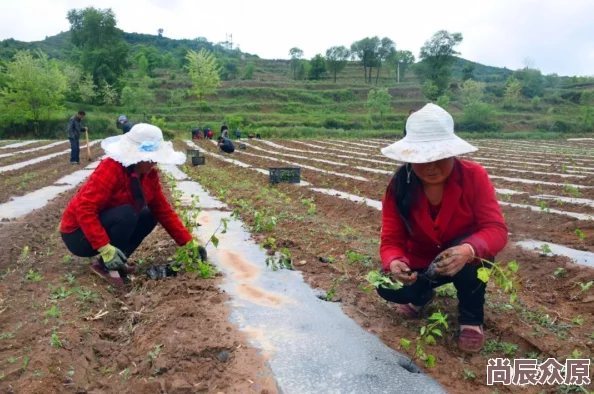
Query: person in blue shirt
{"x": 226, "y": 145}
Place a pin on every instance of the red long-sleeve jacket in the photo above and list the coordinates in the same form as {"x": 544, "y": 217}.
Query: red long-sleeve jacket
{"x": 468, "y": 208}
{"x": 109, "y": 187}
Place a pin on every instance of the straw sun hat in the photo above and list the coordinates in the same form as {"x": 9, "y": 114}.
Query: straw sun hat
{"x": 429, "y": 137}
{"x": 144, "y": 142}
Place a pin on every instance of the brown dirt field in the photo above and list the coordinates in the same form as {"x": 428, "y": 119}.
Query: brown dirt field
{"x": 27, "y": 156}
{"x": 33, "y": 177}
{"x": 541, "y": 321}
{"x": 33, "y": 145}
{"x": 118, "y": 352}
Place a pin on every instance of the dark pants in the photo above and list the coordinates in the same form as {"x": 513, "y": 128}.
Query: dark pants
{"x": 471, "y": 292}
{"x": 74, "y": 150}
{"x": 125, "y": 228}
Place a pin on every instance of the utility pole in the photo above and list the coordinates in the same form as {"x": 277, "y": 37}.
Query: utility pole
{"x": 229, "y": 40}
{"x": 398, "y": 72}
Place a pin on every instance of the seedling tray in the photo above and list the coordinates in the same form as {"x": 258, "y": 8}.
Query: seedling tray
{"x": 198, "y": 161}
{"x": 284, "y": 175}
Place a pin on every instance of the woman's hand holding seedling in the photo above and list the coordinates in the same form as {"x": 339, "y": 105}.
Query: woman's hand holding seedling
{"x": 454, "y": 259}
{"x": 402, "y": 272}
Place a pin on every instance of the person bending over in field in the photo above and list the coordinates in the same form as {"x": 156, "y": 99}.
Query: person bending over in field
{"x": 439, "y": 206}
{"x": 122, "y": 202}
{"x": 226, "y": 145}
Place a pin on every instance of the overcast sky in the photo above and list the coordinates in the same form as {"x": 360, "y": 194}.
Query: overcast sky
{"x": 557, "y": 36}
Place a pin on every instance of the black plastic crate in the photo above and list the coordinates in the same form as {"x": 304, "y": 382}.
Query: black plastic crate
{"x": 242, "y": 146}
{"x": 193, "y": 153}
{"x": 284, "y": 175}
{"x": 198, "y": 161}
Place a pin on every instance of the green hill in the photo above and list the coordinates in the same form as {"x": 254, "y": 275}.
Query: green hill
{"x": 272, "y": 103}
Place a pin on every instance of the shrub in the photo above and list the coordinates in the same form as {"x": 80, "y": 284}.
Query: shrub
{"x": 443, "y": 101}
{"x": 477, "y": 117}
{"x": 535, "y": 102}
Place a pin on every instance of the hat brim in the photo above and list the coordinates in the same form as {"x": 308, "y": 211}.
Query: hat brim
{"x": 127, "y": 154}
{"x": 419, "y": 152}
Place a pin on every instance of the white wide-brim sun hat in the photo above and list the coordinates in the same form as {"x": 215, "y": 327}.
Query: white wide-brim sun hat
{"x": 429, "y": 137}
{"x": 144, "y": 142}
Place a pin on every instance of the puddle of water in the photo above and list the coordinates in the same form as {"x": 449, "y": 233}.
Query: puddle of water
{"x": 32, "y": 149}
{"x": 579, "y": 216}
{"x": 577, "y": 256}
{"x": 19, "y": 144}
{"x": 22, "y": 164}
{"x": 311, "y": 345}
{"x": 571, "y": 200}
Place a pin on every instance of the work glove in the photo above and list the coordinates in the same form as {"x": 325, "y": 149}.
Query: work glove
{"x": 192, "y": 245}
{"x": 113, "y": 258}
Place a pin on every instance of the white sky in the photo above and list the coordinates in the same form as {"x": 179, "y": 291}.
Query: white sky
{"x": 557, "y": 36}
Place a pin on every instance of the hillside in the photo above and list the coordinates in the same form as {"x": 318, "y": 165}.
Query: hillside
{"x": 272, "y": 103}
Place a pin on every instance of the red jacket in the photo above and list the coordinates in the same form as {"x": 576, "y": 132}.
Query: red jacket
{"x": 109, "y": 187}
{"x": 468, "y": 207}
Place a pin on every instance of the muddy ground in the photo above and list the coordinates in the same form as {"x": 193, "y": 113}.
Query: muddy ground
{"x": 63, "y": 330}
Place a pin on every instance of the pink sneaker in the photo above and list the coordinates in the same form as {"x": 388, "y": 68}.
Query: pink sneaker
{"x": 113, "y": 277}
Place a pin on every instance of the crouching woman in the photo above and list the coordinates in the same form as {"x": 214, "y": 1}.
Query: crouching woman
{"x": 122, "y": 202}
{"x": 439, "y": 205}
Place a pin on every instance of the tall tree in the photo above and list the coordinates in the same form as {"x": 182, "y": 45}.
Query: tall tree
{"x": 379, "y": 101}
{"x": 296, "y": 55}
{"x": 34, "y": 88}
{"x": 533, "y": 83}
{"x": 437, "y": 58}
{"x": 366, "y": 50}
{"x": 400, "y": 61}
{"x": 468, "y": 71}
{"x": 337, "y": 59}
{"x": 103, "y": 51}
{"x": 513, "y": 92}
{"x": 317, "y": 67}
{"x": 204, "y": 73}
{"x": 160, "y": 32}
{"x": 386, "y": 50}
{"x": 139, "y": 99}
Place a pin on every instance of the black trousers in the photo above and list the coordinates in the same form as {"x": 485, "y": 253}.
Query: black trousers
{"x": 470, "y": 289}
{"x": 125, "y": 228}
{"x": 74, "y": 150}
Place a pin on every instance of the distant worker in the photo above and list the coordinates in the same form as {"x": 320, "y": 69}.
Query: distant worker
{"x": 226, "y": 145}
{"x": 238, "y": 134}
{"x": 410, "y": 112}
{"x": 196, "y": 134}
{"x": 205, "y": 130}
{"x": 224, "y": 130}
{"x": 126, "y": 124}
{"x": 210, "y": 134}
{"x": 74, "y": 129}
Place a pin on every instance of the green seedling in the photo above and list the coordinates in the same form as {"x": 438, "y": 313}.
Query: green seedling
{"x": 25, "y": 363}
{"x": 55, "y": 341}
{"x": 405, "y": 343}
{"x": 283, "y": 262}
{"x": 560, "y": 272}
{"x": 495, "y": 346}
{"x": 469, "y": 374}
{"x": 580, "y": 234}
{"x": 584, "y": 286}
{"x": 377, "y": 279}
{"x": 24, "y": 256}
{"x": 6, "y": 335}
{"x": 70, "y": 371}
{"x": 571, "y": 190}
{"x": 153, "y": 354}
{"x": 447, "y": 290}
{"x": 33, "y": 276}
{"x": 54, "y": 311}
{"x": 579, "y": 320}
{"x": 427, "y": 334}
{"x": 12, "y": 360}
{"x": 38, "y": 373}
{"x": 59, "y": 293}
{"x": 546, "y": 249}
{"x": 355, "y": 257}
{"x": 269, "y": 243}
{"x": 70, "y": 278}
{"x": 563, "y": 168}
{"x": 505, "y": 277}
{"x": 67, "y": 259}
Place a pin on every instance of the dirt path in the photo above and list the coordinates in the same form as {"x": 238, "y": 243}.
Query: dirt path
{"x": 168, "y": 336}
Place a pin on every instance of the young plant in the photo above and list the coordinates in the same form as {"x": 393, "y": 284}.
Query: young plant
{"x": 427, "y": 334}
{"x": 55, "y": 341}
{"x": 560, "y": 272}
{"x": 505, "y": 277}
{"x": 33, "y": 276}
{"x": 153, "y": 354}
{"x": 67, "y": 259}
{"x": 546, "y": 249}
{"x": 59, "y": 293}
{"x": 447, "y": 290}
{"x": 377, "y": 279}
{"x": 24, "y": 255}
{"x": 579, "y": 320}
{"x": 284, "y": 261}
{"x": 469, "y": 374}
{"x": 6, "y": 335}
{"x": 355, "y": 257}
{"x": 269, "y": 243}
{"x": 580, "y": 234}
{"x": 54, "y": 311}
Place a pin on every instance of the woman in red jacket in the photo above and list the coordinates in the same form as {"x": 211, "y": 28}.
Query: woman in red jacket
{"x": 122, "y": 202}
{"x": 438, "y": 205}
